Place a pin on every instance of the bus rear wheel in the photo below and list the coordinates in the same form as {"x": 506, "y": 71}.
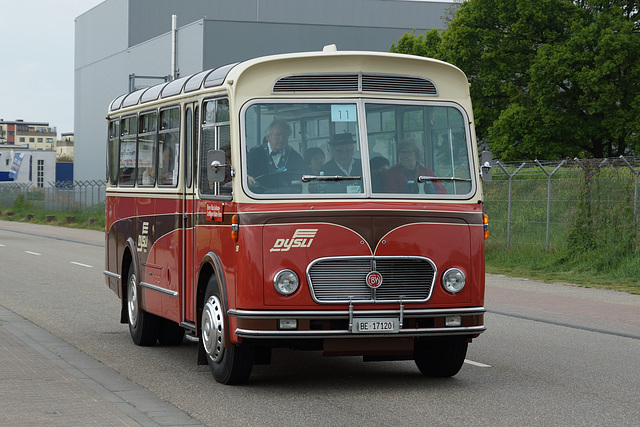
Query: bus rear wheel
{"x": 231, "y": 364}
{"x": 440, "y": 359}
{"x": 143, "y": 326}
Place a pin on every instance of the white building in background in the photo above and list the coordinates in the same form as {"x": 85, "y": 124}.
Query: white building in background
{"x": 36, "y": 166}
{"x": 123, "y": 44}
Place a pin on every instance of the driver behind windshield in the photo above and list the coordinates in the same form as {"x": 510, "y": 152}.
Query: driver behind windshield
{"x": 274, "y": 154}
{"x": 342, "y": 163}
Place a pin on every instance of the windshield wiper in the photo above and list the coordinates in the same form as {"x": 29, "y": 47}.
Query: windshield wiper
{"x": 423, "y": 178}
{"x": 307, "y": 178}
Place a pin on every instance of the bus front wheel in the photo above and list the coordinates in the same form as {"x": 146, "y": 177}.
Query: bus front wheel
{"x": 143, "y": 326}
{"x": 440, "y": 358}
{"x": 231, "y": 364}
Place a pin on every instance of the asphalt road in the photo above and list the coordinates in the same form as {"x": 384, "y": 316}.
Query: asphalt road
{"x": 552, "y": 355}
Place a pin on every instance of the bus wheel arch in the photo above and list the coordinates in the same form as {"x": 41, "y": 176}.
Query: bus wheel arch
{"x": 210, "y": 268}
{"x": 126, "y": 265}
{"x": 229, "y": 363}
{"x": 143, "y": 326}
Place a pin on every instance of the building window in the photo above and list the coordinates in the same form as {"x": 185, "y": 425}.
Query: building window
{"x": 40, "y": 182}
{"x": 31, "y": 139}
{"x": 22, "y": 139}
{"x": 39, "y": 139}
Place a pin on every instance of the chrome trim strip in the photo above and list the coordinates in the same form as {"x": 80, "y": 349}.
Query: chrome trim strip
{"x": 249, "y": 333}
{"x": 188, "y": 325}
{"x": 344, "y": 314}
{"x": 159, "y": 289}
{"x": 112, "y": 275}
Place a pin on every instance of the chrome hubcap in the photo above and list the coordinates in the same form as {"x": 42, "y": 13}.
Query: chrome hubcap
{"x": 132, "y": 301}
{"x": 213, "y": 329}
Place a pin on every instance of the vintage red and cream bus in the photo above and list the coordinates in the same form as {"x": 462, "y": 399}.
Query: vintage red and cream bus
{"x": 325, "y": 201}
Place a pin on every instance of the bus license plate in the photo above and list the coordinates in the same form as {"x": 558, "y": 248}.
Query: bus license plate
{"x": 373, "y": 326}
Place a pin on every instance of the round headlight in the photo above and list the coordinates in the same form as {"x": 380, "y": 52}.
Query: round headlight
{"x": 286, "y": 282}
{"x": 453, "y": 280}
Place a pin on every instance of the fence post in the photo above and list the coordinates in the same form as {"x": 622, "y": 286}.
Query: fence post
{"x": 590, "y": 175}
{"x": 549, "y": 175}
{"x": 509, "y": 200}
{"x": 635, "y": 197}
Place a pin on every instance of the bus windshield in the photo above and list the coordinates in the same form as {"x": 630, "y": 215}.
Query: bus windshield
{"x": 357, "y": 148}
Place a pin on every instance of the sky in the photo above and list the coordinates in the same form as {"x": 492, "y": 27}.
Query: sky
{"x": 36, "y": 60}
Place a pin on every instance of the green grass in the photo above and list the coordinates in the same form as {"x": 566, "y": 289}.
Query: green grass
{"x": 593, "y": 269}
{"x": 22, "y": 211}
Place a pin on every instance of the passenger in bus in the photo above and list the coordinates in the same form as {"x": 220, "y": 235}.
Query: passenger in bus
{"x": 379, "y": 166}
{"x": 274, "y": 154}
{"x": 403, "y": 177}
{"x": 342, "y": 163}
{"x": 148, "y": 176}
{"x": 165, "y": 169}
{"x": 314, "y": 157}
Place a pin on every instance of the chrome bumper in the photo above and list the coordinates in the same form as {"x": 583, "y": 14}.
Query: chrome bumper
{"x": 473, "y": 316}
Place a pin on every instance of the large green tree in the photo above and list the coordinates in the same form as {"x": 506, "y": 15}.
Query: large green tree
{"x": 549, "y": 78}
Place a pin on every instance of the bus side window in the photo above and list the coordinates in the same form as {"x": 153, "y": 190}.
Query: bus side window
{"x": 128, "y": 154}
{"x": 147, "y": 140}
{"x": 169, "y": 147}
{"x": 224, "y": 139}
{"x": 208, "y": 142}
{"x": 216, "y": 135}
{"x": 112, "y": 159}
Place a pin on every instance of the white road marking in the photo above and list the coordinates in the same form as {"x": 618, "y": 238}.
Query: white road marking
{"x": 33, "y": 253}
{"x": 81, "y": 265}
{"x": 478, "y": 364}
{"x": 1, "y": 245}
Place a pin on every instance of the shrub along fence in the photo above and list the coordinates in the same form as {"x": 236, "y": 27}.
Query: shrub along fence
{"x": 577, "y": 204}
{"x": 56, "y": 196}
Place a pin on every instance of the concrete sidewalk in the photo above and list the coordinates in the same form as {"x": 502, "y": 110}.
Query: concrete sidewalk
{"x": 45, "y": 381}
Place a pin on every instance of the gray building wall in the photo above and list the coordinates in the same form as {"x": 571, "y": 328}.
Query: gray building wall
{"x": 122, "y": 37}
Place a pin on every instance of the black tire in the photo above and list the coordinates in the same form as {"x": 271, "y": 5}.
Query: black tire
{"x": 231, "y": 364}
{"x": 143, "y": 326}
{"x": 440, "y": 359}
{"x": 170, "y": 334}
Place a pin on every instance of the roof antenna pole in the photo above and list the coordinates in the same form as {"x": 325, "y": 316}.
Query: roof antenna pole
{"x": 173, "y": 46}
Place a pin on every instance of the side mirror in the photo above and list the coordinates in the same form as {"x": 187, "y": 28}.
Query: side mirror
{"x": 486, "y": 158}
{"x": 215, "y": 166}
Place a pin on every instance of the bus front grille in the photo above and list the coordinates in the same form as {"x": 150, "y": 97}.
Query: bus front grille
{"x": 344, "y": 279}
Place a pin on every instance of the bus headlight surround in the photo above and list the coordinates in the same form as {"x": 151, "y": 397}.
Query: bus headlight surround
{"x": 286, "y": 282}
{"x": 453, "y": 280}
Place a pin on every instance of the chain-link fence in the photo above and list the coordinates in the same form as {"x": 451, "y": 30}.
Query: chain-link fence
{"x": 568, "y": 203}
{"x": 56, "y": 196}
{"x": 546, "y": 205}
